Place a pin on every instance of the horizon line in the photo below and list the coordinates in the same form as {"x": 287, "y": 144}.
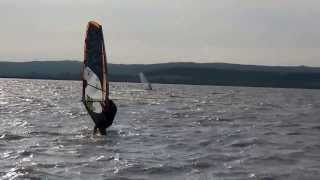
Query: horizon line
{"x": 169, "y": 62}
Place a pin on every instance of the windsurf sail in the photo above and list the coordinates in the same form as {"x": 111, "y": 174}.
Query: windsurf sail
{"x": 144, "y": 80}
{"x": 95, "y": 90}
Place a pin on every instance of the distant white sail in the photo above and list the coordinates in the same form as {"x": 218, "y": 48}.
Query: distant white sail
{"x": 143, "y": 79}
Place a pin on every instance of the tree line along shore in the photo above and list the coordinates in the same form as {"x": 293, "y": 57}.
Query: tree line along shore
{"x": 175, "y": 73}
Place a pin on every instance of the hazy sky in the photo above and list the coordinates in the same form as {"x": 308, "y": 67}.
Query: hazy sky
{"x": 271, "y": 32}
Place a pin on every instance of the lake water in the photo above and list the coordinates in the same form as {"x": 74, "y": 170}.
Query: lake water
{"x": 172, "y": 132}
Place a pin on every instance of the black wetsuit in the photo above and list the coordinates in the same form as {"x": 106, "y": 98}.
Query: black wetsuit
{"x": 105, "y": 119}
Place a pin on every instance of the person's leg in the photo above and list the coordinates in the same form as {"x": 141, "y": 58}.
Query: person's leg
{"x": 95, "y": 130}
{"x": 102, "y": 131}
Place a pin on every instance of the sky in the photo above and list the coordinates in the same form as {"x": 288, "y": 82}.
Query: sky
{"x": 262, "y": 32}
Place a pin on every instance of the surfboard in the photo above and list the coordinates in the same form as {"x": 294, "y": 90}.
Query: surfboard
{"x": 144, "y": 80}
{"x": 95, "y": 89}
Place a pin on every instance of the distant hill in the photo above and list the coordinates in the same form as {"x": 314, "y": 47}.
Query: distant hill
{"x": 182, "y": 73}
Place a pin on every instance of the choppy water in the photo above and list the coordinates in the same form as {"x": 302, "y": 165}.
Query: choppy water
{"x": 172, "y": 132}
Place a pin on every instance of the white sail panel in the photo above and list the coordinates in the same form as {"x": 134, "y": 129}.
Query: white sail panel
{"x": 93, "y": 95}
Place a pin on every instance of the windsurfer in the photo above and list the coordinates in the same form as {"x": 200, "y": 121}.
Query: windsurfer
{"x": 95, "y": 91}
{"x": 105, "y": 119}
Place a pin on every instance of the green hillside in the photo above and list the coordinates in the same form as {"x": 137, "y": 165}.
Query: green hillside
{"x": 184, "y": 73}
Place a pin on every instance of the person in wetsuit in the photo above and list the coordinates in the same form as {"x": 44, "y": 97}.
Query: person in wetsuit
{"x": 104, "y": 119}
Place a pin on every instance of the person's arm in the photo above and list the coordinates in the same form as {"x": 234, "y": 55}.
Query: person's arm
{"x": 106, "y": 105}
